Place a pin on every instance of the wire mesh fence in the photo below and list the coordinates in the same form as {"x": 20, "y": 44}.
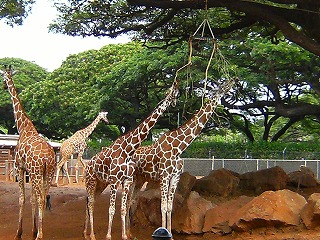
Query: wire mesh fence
{"x": 203, "y": 166}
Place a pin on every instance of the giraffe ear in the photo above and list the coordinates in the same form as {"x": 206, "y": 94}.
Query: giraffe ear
{"x": 14, "y": 72}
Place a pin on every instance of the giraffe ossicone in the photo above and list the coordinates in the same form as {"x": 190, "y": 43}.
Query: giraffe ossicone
{"x": 33, "y": 154}
{"x": 76, "y": 144}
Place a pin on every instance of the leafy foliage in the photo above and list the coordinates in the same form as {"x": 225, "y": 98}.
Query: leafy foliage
{"x": 13, "y": 12}
{"x": 172, "y": 21}
{"x": 27, "y": 75}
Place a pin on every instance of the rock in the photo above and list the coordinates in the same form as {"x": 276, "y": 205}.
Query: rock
{"x": 219, "y": 182}
{"x": 310, "y": 214}
{"x": 279, "y": 208}
{"x": 217, "y": 218}
{"x": 147, "y": 209}
{"x": 185, "y": 184}
{"x": 273, "y": 179}
{"x": 190, "y": 217}
{"x": 303, "y": 178}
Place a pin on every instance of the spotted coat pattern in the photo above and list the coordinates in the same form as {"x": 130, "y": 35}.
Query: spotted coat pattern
{"x": 32, "y": 154}
{"x": 113, "y": 166}
{"x": 77, "y": 144}
{"x": 161, "y": 161}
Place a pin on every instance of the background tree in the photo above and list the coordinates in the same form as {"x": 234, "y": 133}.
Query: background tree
{"x": 28, "y": 74}
{"x": 172, "y": 21}
{"x": 72, "y": 92}
{"x": 14, "y": 12}
{"x": 279, "y": 87}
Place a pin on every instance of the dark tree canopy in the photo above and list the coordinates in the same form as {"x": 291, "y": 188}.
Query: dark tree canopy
{"x": 171, "y": 21}
{"x": 13, "y": 12}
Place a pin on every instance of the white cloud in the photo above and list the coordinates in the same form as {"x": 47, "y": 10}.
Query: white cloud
{"x": 32, "y": 42}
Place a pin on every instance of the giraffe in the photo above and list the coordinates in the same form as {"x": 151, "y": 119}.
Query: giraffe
{"x": 161, "y": 162}
{"x": 32, "y": 154}
{"x": 113, "y": 166}
{"x": 77, "y": 144}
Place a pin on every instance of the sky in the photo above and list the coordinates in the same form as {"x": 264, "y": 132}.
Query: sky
{"x": 33, "y": 43}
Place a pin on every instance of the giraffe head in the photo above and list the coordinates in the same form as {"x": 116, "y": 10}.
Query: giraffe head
{"x": 103, "y": 116}
{"x": 173, "y": 93}
{"x": 7, "y": 74}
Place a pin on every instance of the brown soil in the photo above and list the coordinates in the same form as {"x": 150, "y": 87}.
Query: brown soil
{"x": 66, "y": 218}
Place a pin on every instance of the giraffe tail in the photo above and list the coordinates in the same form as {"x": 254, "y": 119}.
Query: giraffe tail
{"x": 47, "y": 183}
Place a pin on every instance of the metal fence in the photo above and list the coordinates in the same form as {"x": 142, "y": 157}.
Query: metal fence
{"x": 203, "y": 166}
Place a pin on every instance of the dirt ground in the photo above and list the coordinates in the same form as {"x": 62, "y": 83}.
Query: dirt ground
{"x": 66, "y": 219}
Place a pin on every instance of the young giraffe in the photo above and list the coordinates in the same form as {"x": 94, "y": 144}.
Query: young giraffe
{"x": 77, "y": 144}
{"x": 113, "y": 166}
{"x": 161, "y": 162}
{"x": 32, "y": 154}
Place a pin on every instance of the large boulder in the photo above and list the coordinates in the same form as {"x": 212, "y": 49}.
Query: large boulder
{"x": 189, "y": 218}
{"x": 185, "y": 184}
{"x": 274, "y": 178}
{"x": 219, "y": 182}
{"x": 310, "y": 214}
{"x": 146, "y": 210}
{"x": 303, "y": 178}
{"x": 279, "y": 208}
{"x": 217, "y": 218}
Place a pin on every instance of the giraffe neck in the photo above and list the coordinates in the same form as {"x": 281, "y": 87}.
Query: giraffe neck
{"x": 24, "y": 124}
{"x": 134, "y": 138}
{"x": 89, "y": 129}
{"x": 191, "y": 129}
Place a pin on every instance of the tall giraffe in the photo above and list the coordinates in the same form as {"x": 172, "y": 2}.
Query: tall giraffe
{"x": 77, "y": 144}
{"x": 32, "y": 154}
{"x": 161, "y": 162}
{"x": 113, "y": 166}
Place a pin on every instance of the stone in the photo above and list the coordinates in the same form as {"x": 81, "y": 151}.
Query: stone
{"x": 274, "y": 178}
{"x": 219, "y": 182}
{"x": 303, "y": 178}
{"x": 271, "y": 208}
{"x": 147, "y": 208}
{"x": 217, "y": 218}
{"x": 185, "y": 184}
{"x": 310, "y": 214}
{"x": 189, "y": 218}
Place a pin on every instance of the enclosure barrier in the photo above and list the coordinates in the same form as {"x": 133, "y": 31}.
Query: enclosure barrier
{"x": 203, "y": 166}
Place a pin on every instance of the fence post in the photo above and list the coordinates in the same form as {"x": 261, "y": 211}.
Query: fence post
{"x": 212, "y": 164}
{"x": 7, "y": 170}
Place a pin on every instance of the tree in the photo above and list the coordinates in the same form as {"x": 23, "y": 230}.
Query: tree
{"x": 27, "y": 74}
{"x": 278, "y": 87}
{"x": 171, "y": 21}
{"x": 14, "y": 12}
{"x": 72, "y": 92}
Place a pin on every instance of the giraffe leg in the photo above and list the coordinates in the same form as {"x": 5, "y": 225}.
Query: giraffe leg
{"x": 164, "y": 201}
{"x": 91, "y": 187}
{"x": 59, "y": 166}
{"x": 33, "y": 202}
{"x": 172, "y": 189}
{"x": 125, "y": 201}
{"x": 79, "y": 159}
{"x": 65, "y": 166}
{"x": 38, "y": 186}
{"x": 84, "y": 167}
{"x": 112, "y": 208}
{"x": 21, "y": 173}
